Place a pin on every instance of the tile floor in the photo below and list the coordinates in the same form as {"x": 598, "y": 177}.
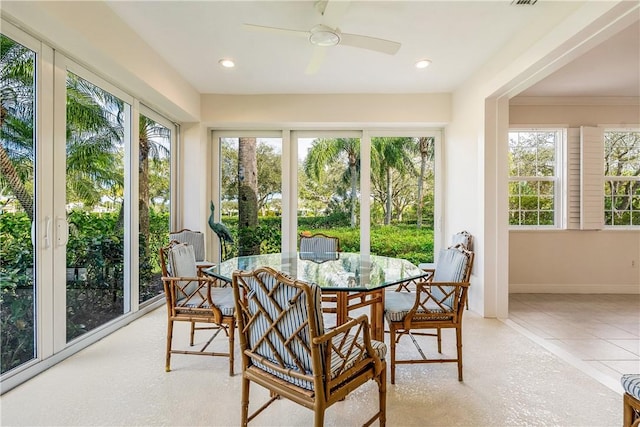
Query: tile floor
{"x": 601, "y": 331}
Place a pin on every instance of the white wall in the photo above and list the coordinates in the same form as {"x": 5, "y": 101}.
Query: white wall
{"x": 311, "y": 111}
{"x": 575, "y": 261}
{"x": 476, "y": 138}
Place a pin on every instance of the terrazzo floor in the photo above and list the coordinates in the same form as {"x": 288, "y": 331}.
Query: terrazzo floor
{"x": 510, "y": 380}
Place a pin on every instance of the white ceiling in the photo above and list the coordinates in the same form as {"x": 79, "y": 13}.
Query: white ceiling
{"x": 457, "y": 36}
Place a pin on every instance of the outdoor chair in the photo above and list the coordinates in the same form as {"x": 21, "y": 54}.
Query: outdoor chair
{"x": 285, "y": 348}
{"x": 196, "y": 299}
{"x": 195, "y": 239}
{"x": 631, "y": 400}
{"x": 436, "y": 303}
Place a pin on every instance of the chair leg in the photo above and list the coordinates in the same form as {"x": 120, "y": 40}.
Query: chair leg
{"x": 244, "y": 417}
{"x": 232, "y": 327}
{"x": 382, "y": 397}
{"x": 392, "y": 342}
{"x": 193, "y": 331}
{"x": 318, "y": 418}
{"x": 459, "y": 350}
{"x": 167, "y": 366}
{"x": 439, "y": 335}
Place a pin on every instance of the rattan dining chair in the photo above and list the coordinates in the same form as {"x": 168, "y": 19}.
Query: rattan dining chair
{"x": 195, "y": 239}
{"x": 436, "y": 303}
{"x": 195, "y": 298}
{"x": 631, "y": 400}
{"x": 462, "y": 239}
{"x": 320, "y": 248}
{"x": 285, "y": 349}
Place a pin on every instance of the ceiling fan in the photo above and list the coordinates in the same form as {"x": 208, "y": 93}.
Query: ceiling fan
{"x": 327, "y": 34}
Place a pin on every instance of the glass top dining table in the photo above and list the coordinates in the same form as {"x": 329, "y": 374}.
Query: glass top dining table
{"x": 356, "y": 280}
{"x": 332, "y": 271}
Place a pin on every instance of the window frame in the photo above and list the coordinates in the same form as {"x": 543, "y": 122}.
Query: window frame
{"x": 609, "y": 178}
{"x": 559, "y": 179}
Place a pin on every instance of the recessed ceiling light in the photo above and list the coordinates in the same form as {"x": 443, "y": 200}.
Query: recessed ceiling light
{"x": 423, "y": 63}
{"x": 227, "y": 63}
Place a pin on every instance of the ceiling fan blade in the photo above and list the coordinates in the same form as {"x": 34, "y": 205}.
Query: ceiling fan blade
{"x": 316, "y": 61}
{"x": 275, "y": 30}
{"x": 372, "y": 43}
{"x": 333, "y": 12}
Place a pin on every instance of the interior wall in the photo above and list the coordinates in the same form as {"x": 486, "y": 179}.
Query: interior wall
{"x": 478, "y": 132}
{"x": 574, "y": 261}
{"x": 324, "y": 111}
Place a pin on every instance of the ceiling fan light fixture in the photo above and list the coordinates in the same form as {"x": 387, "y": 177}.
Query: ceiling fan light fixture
{"x": 423, "y": 63}
{"x": 227, "y": 63}
{"x": 324, "y": 38}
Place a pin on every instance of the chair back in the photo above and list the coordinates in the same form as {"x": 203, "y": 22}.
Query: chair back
{"x": 463, "y": 238}
{"x": 278, "y": 318}
{"x": 319, "y": 243}
{"x": 194, "y": 238}
{"x": 454, "y": 265}
{"x": 178, "y": 260}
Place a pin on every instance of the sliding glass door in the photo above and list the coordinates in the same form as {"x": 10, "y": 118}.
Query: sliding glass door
{"x": 97, "y": 122}
{"x": 403, "y": 195}
{"x": 73, "y": 187}
{"x": 247, "y": 219}
{"x": 328, "y": 190}
{"x": 18, "y": 222}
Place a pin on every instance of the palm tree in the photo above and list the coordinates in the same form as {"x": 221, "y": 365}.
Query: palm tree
{"x": 248, "y": 241}
{"x": 153, "y": 143}
{"x": 16, "y": 120}
{"x": 94, "y": 138}
{"x": 426, "y": 149}
{"x": 326, "y": 151}
{"x": 389, "y": 154}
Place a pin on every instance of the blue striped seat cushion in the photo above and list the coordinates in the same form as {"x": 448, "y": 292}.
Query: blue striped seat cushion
{"x": 631, "y": 384}
{"x": 398, "y": 304}
{"x": 222, "y": 298}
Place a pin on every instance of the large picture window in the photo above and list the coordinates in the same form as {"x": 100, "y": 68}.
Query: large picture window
{"x": 622, "y": 177}
{"x": 534, "y": 177}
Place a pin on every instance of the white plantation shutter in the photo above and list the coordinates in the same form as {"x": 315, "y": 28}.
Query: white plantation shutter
{"x": 591, "y": 178}
{"x": 573, "y": 178}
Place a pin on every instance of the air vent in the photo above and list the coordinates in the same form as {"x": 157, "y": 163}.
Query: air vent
{"x": 524, "y": 2}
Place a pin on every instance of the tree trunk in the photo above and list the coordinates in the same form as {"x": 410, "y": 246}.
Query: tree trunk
{"x": 13, "y": 179}
{"x": 424, "y": 146}
{"x": 143, "y": 196}
{"x": 387, "y": 216}
{"x": 248, "y": 240}
{"x": 354, "y": 187}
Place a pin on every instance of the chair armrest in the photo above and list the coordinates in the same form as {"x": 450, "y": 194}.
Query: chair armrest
{"x": 350, "y": 339}
{"x": 191, "y": 294}
{"x": 437, "y": 300}
{"x": 362, "y": 322}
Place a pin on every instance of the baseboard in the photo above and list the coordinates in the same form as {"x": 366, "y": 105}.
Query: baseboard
{"x": 523, "y": 288}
